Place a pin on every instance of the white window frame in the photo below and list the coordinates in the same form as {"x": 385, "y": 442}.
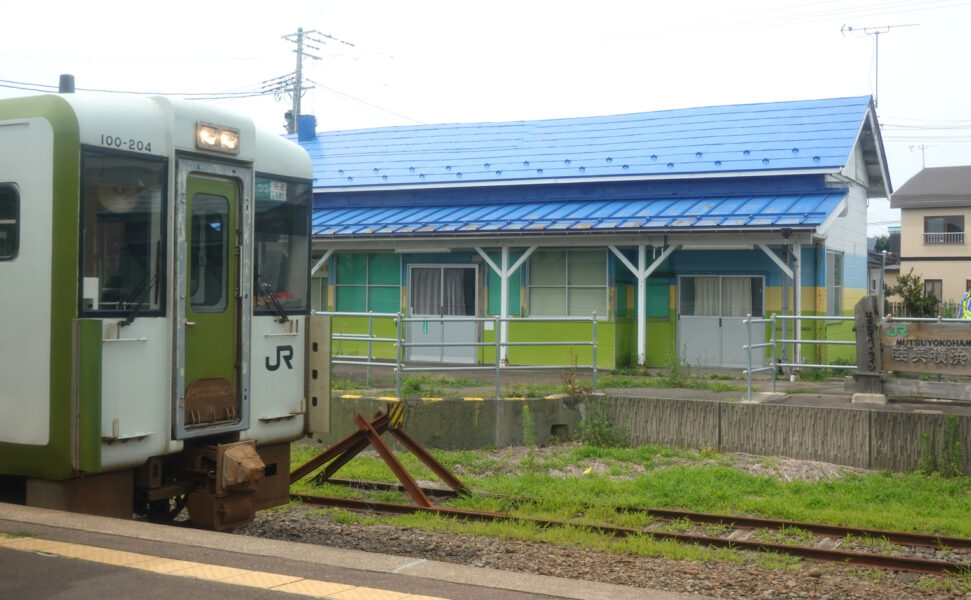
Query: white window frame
{"x": 566, "y": 287}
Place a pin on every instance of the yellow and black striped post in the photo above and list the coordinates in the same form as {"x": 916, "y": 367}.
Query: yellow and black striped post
{"x": 396, "y": 415}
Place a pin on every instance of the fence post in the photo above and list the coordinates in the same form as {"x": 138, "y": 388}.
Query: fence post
{"x": 774, "y": 355}
{"x": 594, "y": 323}
{"x": 748, "y": 348}
{"x": 498, "y": 357}
{"x": 399, "y": 326}
{"x": 370, "y": 348}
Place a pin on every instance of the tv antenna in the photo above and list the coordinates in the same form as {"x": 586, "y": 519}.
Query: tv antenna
{"x": 922, "y": 148}
{"x": 875, "y": 32}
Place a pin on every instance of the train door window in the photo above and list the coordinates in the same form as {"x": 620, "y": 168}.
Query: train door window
{"x": 122, "y": 234}
{"x": 9, "y": 221}
{"x": 208, "y": 258}
{"x": 282, "y": 246}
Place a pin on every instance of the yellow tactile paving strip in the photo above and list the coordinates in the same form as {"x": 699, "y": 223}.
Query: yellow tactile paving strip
{"x": 184, "y": 568}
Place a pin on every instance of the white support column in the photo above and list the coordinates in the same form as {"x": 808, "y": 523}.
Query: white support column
{"x": 778, "y": 261}
{"x": 503, "y": 332}
{"x": 504, "y": 272}
{"x": 320, "y": 263}
{"x": 797, "y": 292}
{"x": 641, "y": 304}
{"x": 642, "y": 272}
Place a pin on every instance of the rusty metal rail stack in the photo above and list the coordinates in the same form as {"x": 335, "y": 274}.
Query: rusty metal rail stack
{"x": 369, "y": 434}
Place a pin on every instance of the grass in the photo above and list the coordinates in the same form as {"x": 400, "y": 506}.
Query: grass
{"x": 441, "y": 386}
{"x": 563, "y": 486}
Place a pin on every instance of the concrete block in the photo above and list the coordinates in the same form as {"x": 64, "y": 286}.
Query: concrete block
{"x": 863, "y": 398}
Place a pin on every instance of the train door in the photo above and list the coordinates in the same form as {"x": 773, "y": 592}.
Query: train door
{"x": 211, "y": 354}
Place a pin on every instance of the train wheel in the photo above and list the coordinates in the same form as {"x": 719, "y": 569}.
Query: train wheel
{"x": 167, "y": 509}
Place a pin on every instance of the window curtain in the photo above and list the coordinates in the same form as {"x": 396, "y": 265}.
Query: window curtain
{"x": 736, "y": 296}
{"x": 706, "y": 296}
{"x": 453, "y": 296}
{"x": 426, "y": 291}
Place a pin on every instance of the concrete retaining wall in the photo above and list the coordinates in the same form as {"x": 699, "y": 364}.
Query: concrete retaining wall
{"x": 870, "y": 439}
{"x": 463, "y": 423}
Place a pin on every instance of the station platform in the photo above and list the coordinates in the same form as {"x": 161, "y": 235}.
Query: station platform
{"x": 53, "y": 555}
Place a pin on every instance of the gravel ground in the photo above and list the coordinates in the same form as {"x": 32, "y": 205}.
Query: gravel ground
{"x": 821, "y": 581}
{"x": 805, "y": 579}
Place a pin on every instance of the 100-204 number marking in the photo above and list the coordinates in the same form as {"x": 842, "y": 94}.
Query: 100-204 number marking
{"x": 113, "y": 141}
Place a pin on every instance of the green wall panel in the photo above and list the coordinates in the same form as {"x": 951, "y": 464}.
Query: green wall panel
{"x": 493, "y": 285}
{"x": 383, "y": 327}
{"x": 351, "y": 269}
{"x": 384, "y": 269}
{"x": 351, "y": 298}
{"x": 555, "y": 355}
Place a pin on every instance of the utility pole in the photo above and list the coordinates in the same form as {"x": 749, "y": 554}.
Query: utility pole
{"x": 304, "y": 38}
{"x": 875, "y": 32}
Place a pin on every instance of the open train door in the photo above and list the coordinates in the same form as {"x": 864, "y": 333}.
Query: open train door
{"x": 211, "y": 378}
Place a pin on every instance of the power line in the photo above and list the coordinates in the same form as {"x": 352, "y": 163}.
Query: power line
{"x": 366, "y": 103}
{"x": 41, "y": 87}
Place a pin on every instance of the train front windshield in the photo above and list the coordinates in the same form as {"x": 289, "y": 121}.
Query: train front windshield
{"x": 122, "y": 233}
{"x": 281, "y": 270}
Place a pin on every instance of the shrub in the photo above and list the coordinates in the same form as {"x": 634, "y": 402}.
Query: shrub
{"x": 596, "y": 428}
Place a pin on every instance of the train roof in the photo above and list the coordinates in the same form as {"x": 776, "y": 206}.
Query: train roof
{"x": 161, "y": 126}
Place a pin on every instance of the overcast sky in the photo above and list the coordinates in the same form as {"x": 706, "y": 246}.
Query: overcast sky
{"x": 423, "y": 61}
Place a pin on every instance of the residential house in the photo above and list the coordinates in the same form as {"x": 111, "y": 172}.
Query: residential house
{"x": 935, "y": 210}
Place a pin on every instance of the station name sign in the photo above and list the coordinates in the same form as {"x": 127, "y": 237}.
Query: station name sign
{"x": 943, "y": 348}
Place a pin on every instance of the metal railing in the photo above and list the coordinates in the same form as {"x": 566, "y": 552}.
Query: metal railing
{"x": 946, "y": 309}
{"x": 951, "y": 237}
{"x": 775, "y": 364}
{"x": 401, "y": 345}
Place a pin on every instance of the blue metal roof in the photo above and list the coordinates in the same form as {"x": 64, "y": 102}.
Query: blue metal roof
{"x": 713, "y": 213}
{"x": 803, "y": 136}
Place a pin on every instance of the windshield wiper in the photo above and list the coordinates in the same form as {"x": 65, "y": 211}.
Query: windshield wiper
{"x": 143, "y": 288}
{"x": 273, "y": 299}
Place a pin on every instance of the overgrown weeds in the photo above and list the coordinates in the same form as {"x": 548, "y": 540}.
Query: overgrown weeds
{"x": 943, "y": 452}
{"x": 596, "y": 429}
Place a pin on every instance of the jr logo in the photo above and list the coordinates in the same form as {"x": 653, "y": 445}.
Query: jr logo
{"x": 897, "y": 330}
{"x": 282, "y": 352}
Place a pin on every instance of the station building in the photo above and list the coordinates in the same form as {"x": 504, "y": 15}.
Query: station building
{"x": 671, "y": 226}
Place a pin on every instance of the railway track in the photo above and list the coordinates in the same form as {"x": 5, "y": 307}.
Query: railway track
{"x": 736, "y": 532}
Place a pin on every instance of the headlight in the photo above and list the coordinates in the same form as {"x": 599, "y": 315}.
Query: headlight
{"x": 215, "y": 137}
{"x": 229, "y": 139}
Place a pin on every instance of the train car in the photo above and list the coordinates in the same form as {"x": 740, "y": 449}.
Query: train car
{"x": 154, "y": 289}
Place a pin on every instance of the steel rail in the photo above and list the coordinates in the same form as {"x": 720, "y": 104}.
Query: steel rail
{"x": 897, "y": 537}
{"x": 919, "y": 565}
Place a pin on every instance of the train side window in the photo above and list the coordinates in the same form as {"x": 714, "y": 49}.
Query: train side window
{"x": 209, "y": 253}
{"x": 9, "y": 221}
{"x": 282, "y": 246}
{"x": 122, "y": 234}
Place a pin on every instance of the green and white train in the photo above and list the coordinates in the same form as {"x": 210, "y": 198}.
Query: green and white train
{"x": 154, "y": 298}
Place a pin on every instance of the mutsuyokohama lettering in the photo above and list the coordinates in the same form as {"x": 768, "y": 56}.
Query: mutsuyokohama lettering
{"x": 947, "y": 343}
